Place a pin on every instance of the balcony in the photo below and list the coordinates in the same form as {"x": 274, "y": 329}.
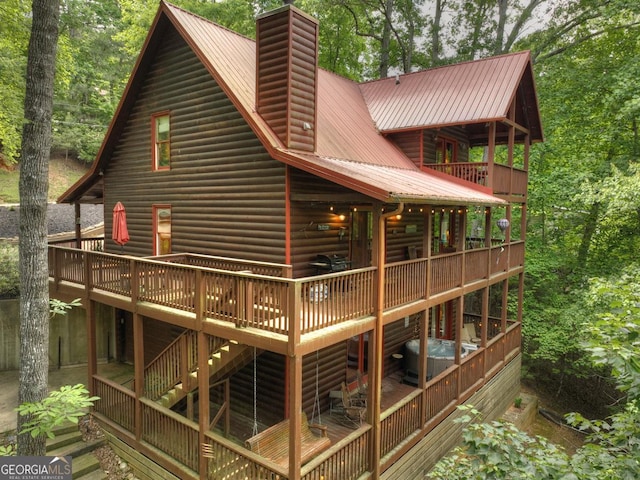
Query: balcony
{"x": 502, "y": 180}
{"x": 239, "y": 293}
{"x": 255, "y": 298}
{"x": 408, "y": 414}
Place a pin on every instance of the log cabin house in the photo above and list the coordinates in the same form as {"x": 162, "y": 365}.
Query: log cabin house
{"x": 332, "y": 253}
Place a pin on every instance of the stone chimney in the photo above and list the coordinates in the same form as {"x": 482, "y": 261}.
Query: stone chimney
{"x": 286, "y": 76}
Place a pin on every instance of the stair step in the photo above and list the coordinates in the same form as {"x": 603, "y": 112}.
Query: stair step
{"x": 62, "y": 440}
{"x": 94, "y": 475}
{"x": 85, "y": 464}
{"x": 67, "y": 427}
{"x": 77, "y": 449}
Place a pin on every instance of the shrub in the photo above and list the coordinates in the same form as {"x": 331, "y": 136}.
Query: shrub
{"x": 9, "y": 273}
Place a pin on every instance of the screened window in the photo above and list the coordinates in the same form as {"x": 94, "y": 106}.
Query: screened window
{"x": 162, "y": 229}
{"x": 161, "y": 129}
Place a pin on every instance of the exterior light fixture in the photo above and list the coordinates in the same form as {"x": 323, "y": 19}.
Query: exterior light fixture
{"x": 342, "y": 217}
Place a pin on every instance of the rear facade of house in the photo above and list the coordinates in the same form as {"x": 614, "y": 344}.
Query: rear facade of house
{"x": 318, "y": 271}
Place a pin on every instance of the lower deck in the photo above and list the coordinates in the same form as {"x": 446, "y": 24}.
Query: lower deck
{"x": 408, "y": 414}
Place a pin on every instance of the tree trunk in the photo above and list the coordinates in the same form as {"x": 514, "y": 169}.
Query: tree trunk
{"x": 34, "y": 189}
{"x": 435, "y": 34}
{"x": 385, "y": 44}
{"x": 590, "y": 227}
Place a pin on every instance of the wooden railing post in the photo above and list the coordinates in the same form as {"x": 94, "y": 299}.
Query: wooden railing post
{"x": 135, "y": 280}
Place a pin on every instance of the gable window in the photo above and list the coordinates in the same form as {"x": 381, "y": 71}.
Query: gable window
{"x": 446, "y": 151}
{"x": 161, "y": 135}
{"x": 162, "y": 229}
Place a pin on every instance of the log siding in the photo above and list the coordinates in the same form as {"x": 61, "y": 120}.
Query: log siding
{"x": 219, "y": 170}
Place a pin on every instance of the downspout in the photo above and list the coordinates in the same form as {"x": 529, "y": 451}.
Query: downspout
{"x": 379, "y": 341}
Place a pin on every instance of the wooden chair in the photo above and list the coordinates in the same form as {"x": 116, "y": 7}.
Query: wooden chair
{"x": 354, "y": 408}
{"x": 469, "y": 334}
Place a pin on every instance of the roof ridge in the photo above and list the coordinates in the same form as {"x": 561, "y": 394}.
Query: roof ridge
{"x": 449, "y": 65}
{"x": 206, "y": 20}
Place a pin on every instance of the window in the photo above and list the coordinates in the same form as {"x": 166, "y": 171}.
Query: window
{"x": 445, "y": 150}
{"x": 161, "y": 133}
{"x": 162, "y": 229}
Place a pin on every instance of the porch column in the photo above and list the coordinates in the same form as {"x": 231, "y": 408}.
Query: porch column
{"x": 491, "y": 152}
{"x": 204, "y": 419}
{"x": 422, "y": 366}
{"x": 295, "y": 409}
{"x": 484, "y": 327}
{"x": 203, "y": 397}
{"x": 92, "y": 360}
{"x": 505, "y": 304}
{"x": 484, "y": 317}
{"x": 458, "y": 342}
{"x": 138, "y": 361}
{"x": 77, "y": 226}
{"x": 378, "y": 340}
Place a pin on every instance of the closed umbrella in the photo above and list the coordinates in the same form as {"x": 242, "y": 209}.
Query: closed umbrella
{"x": 120, "y": 233}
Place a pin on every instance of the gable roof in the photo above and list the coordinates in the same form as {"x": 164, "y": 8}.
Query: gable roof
{"x": 471, "y": 92}
{"x": 350, "y": 150}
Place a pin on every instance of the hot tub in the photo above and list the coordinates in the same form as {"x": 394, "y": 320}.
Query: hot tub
{"x": 440, "y": 356}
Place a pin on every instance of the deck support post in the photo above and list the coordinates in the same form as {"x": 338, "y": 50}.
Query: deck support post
{"x": 295, "y": 419}
{"x": 458, "y": 343}
{"x": 203, "y": 397}
{"x": 376, "y": 387}
{"x": 138, "y": 361}
{"x": 92, "y": 361}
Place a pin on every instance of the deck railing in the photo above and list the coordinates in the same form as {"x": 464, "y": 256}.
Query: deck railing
{"x": 224, "y": 263}
{"x": 172, "y": 365}
{"x": 271, "y": 303}
{"x": 475, "y": 172}
{"x": 347, "y": 459}
{"x": 471, "y": 370}
{"x": 446, "y": 272}
{"x": 171, "y": 433}
{"x": 233, "y": 462}
{"x": 116, "y": 402}
{"x": 400, "y": 421}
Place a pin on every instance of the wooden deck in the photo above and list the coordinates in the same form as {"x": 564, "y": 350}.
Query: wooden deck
{"x": 271, "y": 303}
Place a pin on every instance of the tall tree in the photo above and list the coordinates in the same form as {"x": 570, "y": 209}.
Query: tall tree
{"x": 14, "y": 34}
{"x": 34, "y": 187}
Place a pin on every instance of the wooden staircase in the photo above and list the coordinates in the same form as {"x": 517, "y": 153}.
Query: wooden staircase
{"x": 174, "y": 373}
{"x": 68, "y": 442}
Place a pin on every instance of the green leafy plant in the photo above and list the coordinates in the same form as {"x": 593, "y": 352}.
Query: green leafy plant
{"x": 58, "y": 307}
{"x": 7, "y": 450}
{"x": 498, "y": 450}
{"x": 65, "y": 405}
{"x": 517, "y": 402}
{"x": 9, "y": 273}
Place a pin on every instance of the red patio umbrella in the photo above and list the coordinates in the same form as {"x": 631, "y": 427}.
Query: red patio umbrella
{"x": 120, "y": 233}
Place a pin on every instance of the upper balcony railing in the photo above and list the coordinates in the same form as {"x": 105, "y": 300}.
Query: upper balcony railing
{"x": 261, "y": 295}
{"x": 504, "y": 179}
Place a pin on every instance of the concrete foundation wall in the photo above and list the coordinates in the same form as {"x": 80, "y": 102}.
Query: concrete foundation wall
{"x": 67, "y": 336}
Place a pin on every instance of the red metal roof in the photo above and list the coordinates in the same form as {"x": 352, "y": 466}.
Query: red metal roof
{"x": 350, "y": 151}
{"x": 470, "y": 92}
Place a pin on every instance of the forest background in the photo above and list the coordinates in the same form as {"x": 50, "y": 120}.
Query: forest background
{"x": 583, "y": 230}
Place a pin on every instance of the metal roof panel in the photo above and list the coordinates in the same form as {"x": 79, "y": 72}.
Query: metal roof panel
{"x": 469, "y": 92}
